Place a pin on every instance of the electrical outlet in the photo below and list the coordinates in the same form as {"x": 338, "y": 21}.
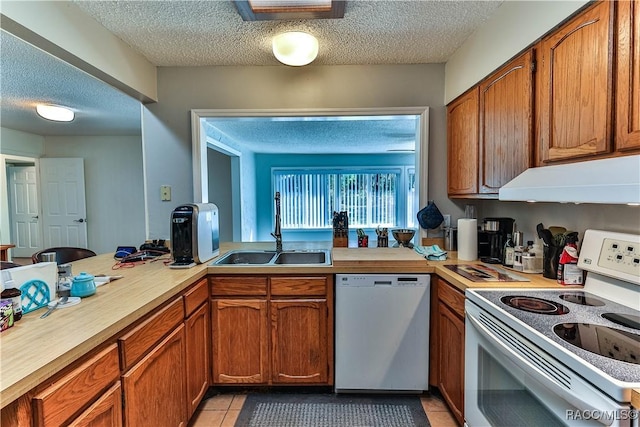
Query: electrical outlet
{"x": 165, "y": 193}
{"x": 447, "y": 221}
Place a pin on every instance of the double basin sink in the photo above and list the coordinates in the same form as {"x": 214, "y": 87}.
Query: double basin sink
{"x": 266, "y": 258}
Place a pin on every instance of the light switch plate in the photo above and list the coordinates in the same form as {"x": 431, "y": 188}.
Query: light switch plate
{"x": 165, "y": 193}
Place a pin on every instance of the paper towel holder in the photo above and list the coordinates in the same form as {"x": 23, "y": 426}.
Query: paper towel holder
{"x": 467, "y": 239}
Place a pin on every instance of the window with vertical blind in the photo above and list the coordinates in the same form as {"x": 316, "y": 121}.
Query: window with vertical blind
{"x": 372, "y": 197}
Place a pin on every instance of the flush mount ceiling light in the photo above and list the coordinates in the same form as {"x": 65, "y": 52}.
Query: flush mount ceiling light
{"x": 295, "y": 48}
{"x": 55, "y": 113}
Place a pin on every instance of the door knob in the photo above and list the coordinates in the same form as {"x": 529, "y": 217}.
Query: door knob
{"x": 35, "y": 217}
{"x": 79, "y": 220}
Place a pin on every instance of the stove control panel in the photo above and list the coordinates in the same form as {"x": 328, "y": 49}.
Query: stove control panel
{"x": 620, "y": 255}
{"x": 612, "y": 254}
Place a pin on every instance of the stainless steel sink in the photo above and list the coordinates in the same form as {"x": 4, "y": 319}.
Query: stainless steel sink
{"x": 301, "y": 257}
{"x": 273, "y": 258}
{"x": 240, "y": 257}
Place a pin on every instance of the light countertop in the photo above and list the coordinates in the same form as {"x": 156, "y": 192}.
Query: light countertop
{"x": 635, "y": 399}
{"x": 36, "y": 349}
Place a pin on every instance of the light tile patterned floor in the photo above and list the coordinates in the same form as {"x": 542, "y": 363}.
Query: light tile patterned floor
{"x": 222, "y": 411}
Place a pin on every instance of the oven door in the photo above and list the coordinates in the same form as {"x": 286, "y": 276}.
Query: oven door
{"x": 509, "y": 381}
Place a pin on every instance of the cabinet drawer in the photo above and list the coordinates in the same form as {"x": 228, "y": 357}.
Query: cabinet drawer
{"x": 106, "y": 411}
{"x": 138, "y": 341}
{"x": 57, "y": 403}
{"x": 195, "y": 296}
{"x": 451, "y": 297}
{"x": 283, "y": 286}
{"x": 238, "y": 286}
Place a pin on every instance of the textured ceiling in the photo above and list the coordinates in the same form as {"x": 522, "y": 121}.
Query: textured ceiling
{"x": 29, "y": 76}
{"x": 188, "y": 33}
{"x": 314, "y": 135}
{"x": 198, "y": 33}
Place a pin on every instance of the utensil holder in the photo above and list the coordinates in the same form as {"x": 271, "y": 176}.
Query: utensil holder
{"x": 383, "y": 242}
{"x": 550, "y": 261}
{"x": 363, "y": 241}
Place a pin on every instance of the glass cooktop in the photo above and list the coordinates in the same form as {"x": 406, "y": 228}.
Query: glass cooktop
{"x": 534, "y": 305}
{"x": 603, "y": 340}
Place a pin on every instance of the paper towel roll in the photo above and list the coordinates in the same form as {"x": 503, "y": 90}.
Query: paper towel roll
{"x": 467, "y": 239}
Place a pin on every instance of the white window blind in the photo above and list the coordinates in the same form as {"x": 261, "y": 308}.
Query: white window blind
{"x": 372, "y": 197}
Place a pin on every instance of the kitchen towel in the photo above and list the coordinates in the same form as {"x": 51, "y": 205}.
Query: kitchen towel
{"x": 467, "y": 239}
{"x": 433, "y": 252}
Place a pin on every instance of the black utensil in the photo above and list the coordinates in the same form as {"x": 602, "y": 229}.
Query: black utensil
{"x": 547, "y": 238}
{"x": 545, "y": 235}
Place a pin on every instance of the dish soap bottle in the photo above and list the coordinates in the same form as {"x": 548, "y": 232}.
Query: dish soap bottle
{"x": 568, "y": 271}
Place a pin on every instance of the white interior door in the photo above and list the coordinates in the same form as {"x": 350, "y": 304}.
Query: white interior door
{"x": 26, "y": 230}
{"x": 64, "y": 216}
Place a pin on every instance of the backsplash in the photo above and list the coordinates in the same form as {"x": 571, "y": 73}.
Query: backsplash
{"x": 620, "y": 218}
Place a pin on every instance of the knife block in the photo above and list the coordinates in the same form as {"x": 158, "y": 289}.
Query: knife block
{"x": 340, "y": 242}
{"x": 340, "y": 230}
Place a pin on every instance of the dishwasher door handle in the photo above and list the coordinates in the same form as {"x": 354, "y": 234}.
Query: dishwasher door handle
{"x": 381, "y": 283}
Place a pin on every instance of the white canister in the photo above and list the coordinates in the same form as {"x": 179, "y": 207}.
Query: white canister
{"x": 531, "y": 263}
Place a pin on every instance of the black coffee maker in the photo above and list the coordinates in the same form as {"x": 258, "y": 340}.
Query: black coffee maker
{"x": 492, "y": 237}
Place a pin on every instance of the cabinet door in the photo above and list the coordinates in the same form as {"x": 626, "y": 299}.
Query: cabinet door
{"x": 59, "y": 401}
{"x": 154, "y": 388}
{"x": 451, "y": 363}
{"x": 462, "y": 144}
{"x": 575, "y": 90}
{"x": 506, "y": 123}
{"x": 105, "y": 412}
{"x": 240, "y": 341}
{"x": 628, "y": 77}
{"x": 197, "y": 356}
{"x": 299, "y": 341}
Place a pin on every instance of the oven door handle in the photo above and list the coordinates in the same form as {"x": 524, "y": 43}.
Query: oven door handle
{"x": 535, "y": 373}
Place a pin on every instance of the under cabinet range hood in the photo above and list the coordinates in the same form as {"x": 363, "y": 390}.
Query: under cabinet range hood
{"x": 608, "y": 181}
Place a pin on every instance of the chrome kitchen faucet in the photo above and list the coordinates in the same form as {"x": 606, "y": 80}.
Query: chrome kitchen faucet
{"x": 277, "y": 233}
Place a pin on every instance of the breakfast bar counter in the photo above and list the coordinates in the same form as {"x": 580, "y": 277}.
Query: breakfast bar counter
{"x": 35, "y": 349}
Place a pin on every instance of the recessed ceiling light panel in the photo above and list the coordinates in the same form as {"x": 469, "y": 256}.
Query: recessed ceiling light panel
{"x": 55, "y": 113}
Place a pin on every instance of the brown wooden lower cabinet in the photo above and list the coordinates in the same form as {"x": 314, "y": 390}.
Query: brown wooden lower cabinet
{"x": 197, "y": 344}
{"x": 299, "y": 341}
{"x": 451, "y": 383}
{"x": 154, "y": 388}
{"x": 59, "y": 402}
{"x": 275, "y": 330}
{"x": 105, "y": 412}
{"x": 240, "y": 341}
{"x": 447, "y": 345}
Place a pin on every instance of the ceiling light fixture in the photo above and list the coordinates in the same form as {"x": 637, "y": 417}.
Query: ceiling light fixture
{"x": 55, "y": 113}
{"x": 289, "y": 10}
{"x": 295, "y": 48}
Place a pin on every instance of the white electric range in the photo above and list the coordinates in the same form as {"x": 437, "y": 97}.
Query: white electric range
{"x": 558, "y": 356}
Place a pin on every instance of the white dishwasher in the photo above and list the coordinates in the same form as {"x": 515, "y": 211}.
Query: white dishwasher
{"x": 382, "y": 332}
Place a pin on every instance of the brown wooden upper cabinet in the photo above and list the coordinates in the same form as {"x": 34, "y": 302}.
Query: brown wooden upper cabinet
{"x": 462, "y": 144}
{"x": 628, "y": 77}
{"x": 575, "y": 90}
{"x": 506, "y": 123}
